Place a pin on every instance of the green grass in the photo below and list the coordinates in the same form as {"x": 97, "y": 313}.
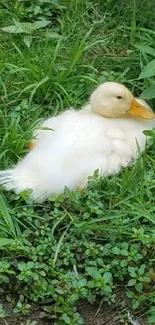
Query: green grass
{"x": 77, "y": 245}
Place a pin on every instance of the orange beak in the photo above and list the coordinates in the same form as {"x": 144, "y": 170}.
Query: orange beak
{"x": 139, "y": 110}
{"x": 30, "y": 145}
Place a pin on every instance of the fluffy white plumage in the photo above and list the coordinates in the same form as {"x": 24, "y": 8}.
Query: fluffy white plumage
{"x": 81, "y": 142}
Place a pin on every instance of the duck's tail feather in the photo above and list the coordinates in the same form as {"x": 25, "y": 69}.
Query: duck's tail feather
{"x": 18, "y": 180}
{"x": 7, "y": 180}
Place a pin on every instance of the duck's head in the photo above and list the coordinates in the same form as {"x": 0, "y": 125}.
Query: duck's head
{"x": 112, "y": 99}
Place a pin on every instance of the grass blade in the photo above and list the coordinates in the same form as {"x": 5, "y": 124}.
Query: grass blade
{"x": 6, "y": 217}
{"x": 39, "y": 84}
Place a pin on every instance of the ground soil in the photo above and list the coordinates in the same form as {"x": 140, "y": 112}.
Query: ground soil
{"x": 97, "y": 314}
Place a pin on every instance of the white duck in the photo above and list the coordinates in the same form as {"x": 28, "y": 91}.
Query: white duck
{"x": 102, "y": 135}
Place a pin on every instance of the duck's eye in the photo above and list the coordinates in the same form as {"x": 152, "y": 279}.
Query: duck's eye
{"x": 119, "y": 97}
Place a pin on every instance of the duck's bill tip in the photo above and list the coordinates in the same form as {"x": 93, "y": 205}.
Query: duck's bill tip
{"x": 139, "y": 110}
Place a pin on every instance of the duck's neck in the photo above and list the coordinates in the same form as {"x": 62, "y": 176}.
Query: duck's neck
{"x": 87, "y": 108}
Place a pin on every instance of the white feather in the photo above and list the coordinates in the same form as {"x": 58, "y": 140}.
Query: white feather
{"x": 80, "y": 143}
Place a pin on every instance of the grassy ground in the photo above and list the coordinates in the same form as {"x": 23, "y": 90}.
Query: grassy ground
{"x": 78, "y": 246}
